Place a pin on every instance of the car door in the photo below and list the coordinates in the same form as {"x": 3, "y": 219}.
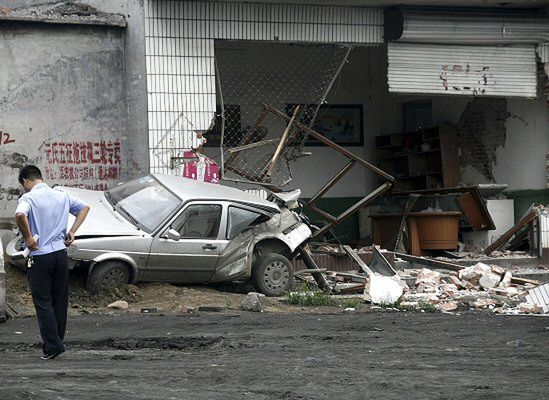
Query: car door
{"x": 194, "y": 256}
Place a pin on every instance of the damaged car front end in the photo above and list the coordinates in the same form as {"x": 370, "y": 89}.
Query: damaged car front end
{"x": 173, "y": 229}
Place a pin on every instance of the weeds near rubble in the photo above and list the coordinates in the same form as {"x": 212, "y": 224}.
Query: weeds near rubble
{"x": 421, "y": 306}
{"x": 350, "y": 303}
{"x": 304, "y": 296}
{"x": 425, "y": 306}
{"x": 396, "y": 304}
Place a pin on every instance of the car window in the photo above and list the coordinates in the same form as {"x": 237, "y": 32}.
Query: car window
{"x": 145, "y": 201}
{"x": 240, "y": 219}
{"x": 199, "y": 221}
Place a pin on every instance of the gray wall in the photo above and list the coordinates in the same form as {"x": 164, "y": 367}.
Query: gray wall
{"x": 62, "y": 106}
{"x": 73, "y": 101}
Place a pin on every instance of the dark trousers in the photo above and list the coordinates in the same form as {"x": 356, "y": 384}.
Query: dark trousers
{"x": 49, "y": 284}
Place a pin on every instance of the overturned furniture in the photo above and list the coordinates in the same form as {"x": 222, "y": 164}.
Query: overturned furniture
{"x": 432, "y": 221}
{"x": 294, "y": 130}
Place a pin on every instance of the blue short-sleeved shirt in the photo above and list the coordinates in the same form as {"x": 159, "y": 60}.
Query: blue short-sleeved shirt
{"x": 48, "y": 212}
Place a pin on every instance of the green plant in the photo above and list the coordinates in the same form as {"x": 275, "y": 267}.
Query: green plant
{"x": 351, "y": 303}
{"x": 396, "y": 304}
{"x": 310, "y": 298}
{"x": 427, "y": 307}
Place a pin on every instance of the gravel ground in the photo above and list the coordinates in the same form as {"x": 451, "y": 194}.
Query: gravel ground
{"x": 235, "y": 355}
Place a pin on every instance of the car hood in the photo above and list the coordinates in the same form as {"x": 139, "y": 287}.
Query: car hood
{"x": 102, "y": 220}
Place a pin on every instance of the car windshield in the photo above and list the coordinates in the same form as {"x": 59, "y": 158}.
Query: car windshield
{"x": 144, "y": 202}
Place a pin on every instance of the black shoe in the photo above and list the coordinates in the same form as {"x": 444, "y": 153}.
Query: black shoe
{"x": 52, "y": 355}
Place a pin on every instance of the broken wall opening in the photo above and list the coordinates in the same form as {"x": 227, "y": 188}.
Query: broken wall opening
{"x": 290, "y": 77}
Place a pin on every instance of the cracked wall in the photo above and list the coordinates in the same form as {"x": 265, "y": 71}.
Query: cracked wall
{"x": 481, "y": 130}
{"x": 62, "y": 106}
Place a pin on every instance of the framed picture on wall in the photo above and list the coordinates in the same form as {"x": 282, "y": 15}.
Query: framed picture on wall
{"x": 341, "y": 123}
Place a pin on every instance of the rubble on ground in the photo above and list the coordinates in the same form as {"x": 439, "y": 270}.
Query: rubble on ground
{"x": 251, "y": 302}
{"x": 481, "y": 286}
{"x": 119, "y": 305}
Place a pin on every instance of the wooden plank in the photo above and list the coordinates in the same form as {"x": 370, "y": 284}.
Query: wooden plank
{"x": 332, "y": 182}
{"x": 451, "y": 171}
{"x": 282, "y": 142}
{"x": 507, "y": 235}
{"x": 349, "y": 288}
{"x": 251, "y": 145}
{"x": 353, "y": 254}
{"x": 415, "y": 249}
{"x": 365, "y": 200}
{"x": 353, "y": 277}
{"x": 452, "y": 267}
{"x": 331, "y": 144}
{"x": 319, "y": 277}
{"x": 474, "y": 214}
{"x": 310, "y": 271}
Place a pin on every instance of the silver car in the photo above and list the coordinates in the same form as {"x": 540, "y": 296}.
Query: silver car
{"x": 173, "y": 229}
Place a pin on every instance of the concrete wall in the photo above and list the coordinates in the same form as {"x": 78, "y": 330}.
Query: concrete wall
{"x": 62, "y": 106}
{"x": 135, "y": 80}
{"x": 135, "y": 83}
{"x": 73, "y": 101}
{"x": 520, "y": 158}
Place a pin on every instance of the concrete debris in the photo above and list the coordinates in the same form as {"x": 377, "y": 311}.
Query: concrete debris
{"x": 498, "y": 270}
{"x": 454, "y": 280}
{"x": 506, "y": 280}
{"x": 62, "y": 12}
{"x": 428, "y": 277}
{"x": 473, "y": 273}
{"x": 385, "y": 290}
{"x": 119, "y": 305}
{"x": 483, "y": 302}
{"x": 448, "y": 306}
{"x": 409, "y": 304}
{"x": 489, "y": 280}
{"x": 421, "y": 298}
{"x": 251, "y": 303}
{"x": 446, "y": 288}
{"x": 539, "y": 297}
{"x": 480, "y": 286}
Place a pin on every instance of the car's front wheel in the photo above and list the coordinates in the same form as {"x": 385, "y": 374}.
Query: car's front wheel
{"x": 272, "y": 274}
{"x": 107, "y": 275}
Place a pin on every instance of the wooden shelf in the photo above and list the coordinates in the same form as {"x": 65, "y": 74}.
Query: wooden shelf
{"x": 416, "y": 169}
{"x": 409, "y": 154}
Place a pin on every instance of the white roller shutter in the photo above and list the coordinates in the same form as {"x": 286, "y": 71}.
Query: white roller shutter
{"x": 462, "y": 70}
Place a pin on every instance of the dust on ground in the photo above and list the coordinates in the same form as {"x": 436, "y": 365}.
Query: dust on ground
{"x": 165, "y": 297}
{"x": 246, "y": 355}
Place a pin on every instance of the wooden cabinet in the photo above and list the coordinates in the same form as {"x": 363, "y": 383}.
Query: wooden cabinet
{"x": 423, "y": 159}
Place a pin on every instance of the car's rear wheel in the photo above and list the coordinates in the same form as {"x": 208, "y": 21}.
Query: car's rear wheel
{"x": 272, "y": 274}
{"x": 107, "y": 275}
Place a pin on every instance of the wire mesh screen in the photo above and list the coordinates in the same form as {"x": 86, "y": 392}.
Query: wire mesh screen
{"x": 258, "y": 146}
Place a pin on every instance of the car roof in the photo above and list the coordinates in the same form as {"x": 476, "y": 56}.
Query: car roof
{"x": 190, "y": 189}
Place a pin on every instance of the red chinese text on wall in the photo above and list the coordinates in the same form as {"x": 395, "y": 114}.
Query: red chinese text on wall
{"x": 91, "y": 165}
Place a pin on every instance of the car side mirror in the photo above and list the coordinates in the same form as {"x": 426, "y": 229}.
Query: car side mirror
{"x": 173, "y": 234}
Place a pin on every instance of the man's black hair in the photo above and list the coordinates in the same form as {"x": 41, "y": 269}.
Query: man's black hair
{"x": 29, "y": 172}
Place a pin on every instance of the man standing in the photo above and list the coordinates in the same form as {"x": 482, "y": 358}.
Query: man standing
{"x": 44, "y": 212}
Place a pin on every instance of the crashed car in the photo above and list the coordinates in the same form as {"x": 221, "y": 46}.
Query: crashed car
{"x": 172, "y": 229}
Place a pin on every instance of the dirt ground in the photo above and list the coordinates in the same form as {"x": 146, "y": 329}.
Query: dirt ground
{"x": 236, "y": 355}
{"x": 166, "y": 298}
